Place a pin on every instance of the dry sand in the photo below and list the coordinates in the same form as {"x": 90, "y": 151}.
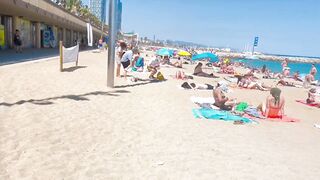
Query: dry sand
{"x": 70, "y": 126}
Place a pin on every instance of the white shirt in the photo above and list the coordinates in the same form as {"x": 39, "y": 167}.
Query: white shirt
{"x": 154, "y": 63}
{"x": 127, "y": 56}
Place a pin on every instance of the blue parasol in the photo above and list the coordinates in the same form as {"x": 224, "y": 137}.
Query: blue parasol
{"x": 164, "y": 52}
{"x": 210, "y": 56}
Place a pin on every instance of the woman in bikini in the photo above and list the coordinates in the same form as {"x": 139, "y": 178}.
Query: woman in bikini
{"x": 199, "y": 72}
{"x": 274, "y": 106}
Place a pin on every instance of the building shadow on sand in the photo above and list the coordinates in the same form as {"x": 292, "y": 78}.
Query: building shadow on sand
{"x": 79, "y": 97}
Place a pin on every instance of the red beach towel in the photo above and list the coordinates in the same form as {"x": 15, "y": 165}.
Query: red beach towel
{"x": 284, "y": 119}
{"x": 305, "y": 103}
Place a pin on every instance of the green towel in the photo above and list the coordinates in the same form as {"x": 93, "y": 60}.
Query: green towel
{"x": 241, "y": 106}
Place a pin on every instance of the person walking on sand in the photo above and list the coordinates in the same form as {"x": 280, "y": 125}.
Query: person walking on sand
{"x": 17, "y": 41}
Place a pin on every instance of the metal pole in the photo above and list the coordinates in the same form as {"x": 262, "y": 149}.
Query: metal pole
{"x": 111, "y": 43}
{"x": 252, "y": 50}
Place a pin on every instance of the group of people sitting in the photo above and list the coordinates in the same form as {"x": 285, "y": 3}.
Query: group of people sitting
{"x": 273, "y": 107}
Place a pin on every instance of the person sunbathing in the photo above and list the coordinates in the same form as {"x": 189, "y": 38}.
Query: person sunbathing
{"x": 274, "y": 105}
{"x": 197, "y": 86}
{"x": 245, "y": 82}
{"x": 221, "y": 101}
{"x": 312, "y": 97}
{"x": 286, "y": 83}
{"x": 177, "y": 64}
{"x": 308, "y": 80}
{"x": 153, "y": 67}
{"x": 296, "y": 76}
{"x": 199, "y": 72}
{"x": 227, "y": 70}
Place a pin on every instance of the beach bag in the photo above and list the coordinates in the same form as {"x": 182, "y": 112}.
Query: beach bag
{"x": 160, "y": 77}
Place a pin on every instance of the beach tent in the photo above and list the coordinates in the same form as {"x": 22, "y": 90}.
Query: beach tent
{"x": 184, "y": 53}
{"x": 210, "y": 56}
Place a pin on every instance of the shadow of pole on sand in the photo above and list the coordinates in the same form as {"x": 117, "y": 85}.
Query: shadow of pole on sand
{"x": 80, "y": 97}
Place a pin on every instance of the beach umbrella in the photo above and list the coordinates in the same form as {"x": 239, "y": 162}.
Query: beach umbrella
{"x": 163, "y": 52}
{"x": 210, "y": 56}
{"x": 184, "y": 53}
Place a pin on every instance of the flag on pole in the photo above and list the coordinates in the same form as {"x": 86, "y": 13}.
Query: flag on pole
{"x": 89, "y": 34}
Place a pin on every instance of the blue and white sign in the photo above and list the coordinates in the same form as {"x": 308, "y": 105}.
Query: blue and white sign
{"x": 256, "y": 40}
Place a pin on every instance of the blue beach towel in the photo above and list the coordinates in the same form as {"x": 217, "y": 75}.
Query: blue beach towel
{"x": 218, "y": 115}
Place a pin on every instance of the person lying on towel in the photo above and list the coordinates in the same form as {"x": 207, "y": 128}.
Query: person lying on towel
{"x": 221, "y": 101}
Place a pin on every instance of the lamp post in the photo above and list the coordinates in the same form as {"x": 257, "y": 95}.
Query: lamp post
{"x": 111, "y": 43}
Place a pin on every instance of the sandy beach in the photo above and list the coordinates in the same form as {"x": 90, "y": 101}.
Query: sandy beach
{"x": 69, "y": 125}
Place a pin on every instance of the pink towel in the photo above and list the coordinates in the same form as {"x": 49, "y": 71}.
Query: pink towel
{"x": 284, "y": 119}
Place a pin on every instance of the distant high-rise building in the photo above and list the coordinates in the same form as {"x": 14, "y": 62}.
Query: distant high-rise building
{"x": 119, "y": 15}
{"x": 98, "y": 8}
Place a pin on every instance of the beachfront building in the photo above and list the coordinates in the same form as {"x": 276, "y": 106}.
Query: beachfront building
{"x": 42, "y": 24}
{"x": 98, "y": 8}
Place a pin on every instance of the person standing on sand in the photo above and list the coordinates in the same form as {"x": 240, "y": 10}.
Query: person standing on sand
{"x": 284, "y": 63}
{"x": 126, "y": 60}
{"x": 119, "y": 53}
{"x": 17, "y": 41}
{"x": 313, "y": 70}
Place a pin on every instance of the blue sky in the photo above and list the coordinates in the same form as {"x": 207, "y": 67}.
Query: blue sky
{"x": 284, "y": 26}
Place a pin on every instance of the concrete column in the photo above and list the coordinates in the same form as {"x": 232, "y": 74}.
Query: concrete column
{"x": 78, "y": 36}
{"x": 64, "y": 36}
{"x": 72, "y": 39}
{"x": 38, "y": 35}
{"x": 14, "y": 27}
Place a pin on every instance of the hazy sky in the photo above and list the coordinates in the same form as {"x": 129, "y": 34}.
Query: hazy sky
{"x": 284, "y": 26}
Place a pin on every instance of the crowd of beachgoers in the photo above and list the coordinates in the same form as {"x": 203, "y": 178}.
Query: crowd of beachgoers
{"x": 132, "y": 61}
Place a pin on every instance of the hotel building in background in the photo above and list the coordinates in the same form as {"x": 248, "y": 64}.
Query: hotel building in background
{"x": 99, "y": 9}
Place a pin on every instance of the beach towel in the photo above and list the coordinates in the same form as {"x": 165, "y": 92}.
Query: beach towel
{"x": 241, "y": 106}
{"x": 284, "y": 119}
{"x": 202, "y": 100}
{"x": 254, "y": 112}
{"x": 305, "y": 103}
{"x": 218, "y": 115}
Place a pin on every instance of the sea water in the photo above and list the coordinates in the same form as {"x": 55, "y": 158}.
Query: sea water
{"x": 275, "y": 66}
